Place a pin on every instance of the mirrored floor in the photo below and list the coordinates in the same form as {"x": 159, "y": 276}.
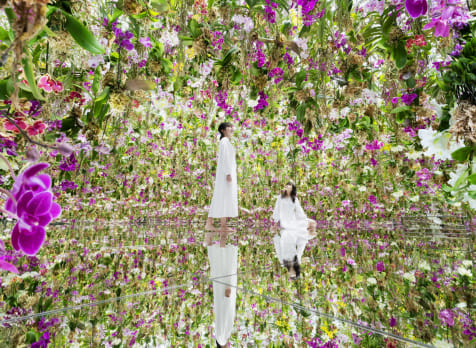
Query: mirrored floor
{"x": 148, "y": 283}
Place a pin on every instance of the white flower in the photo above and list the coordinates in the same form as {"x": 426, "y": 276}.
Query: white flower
{"x": 423, "y": 265}
{"x": 169, "y": 39}
{"x": 464, "y": 271}
{"x": 438, "y": 144}
{"x": 371, "y": 281}
{"x": 362, "y": 188}
{"x": 397, "y": 194}
{"x": 414, "y": 155}
{"x": 397, "y": 148}
{"x": 247, "y": 22}
{"x": 461, "y": 305}
{"x": 467, "y": 263}
{"x": 415, "y": 198}
{"x": 409, "y": 276}
{"x": 251, "y": 103}
{"x": 442, "y": 344}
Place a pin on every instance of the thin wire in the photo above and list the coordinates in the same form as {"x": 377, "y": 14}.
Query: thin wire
{"x": 114, "y": 299}
{"x": 328, "y": 316}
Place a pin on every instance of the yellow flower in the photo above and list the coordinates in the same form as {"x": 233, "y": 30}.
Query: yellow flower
{"x": 386, "y": 147}
{"x": 190, "y": 53}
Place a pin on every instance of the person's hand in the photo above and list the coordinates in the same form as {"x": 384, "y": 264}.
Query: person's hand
{"x": 228, "y": 178}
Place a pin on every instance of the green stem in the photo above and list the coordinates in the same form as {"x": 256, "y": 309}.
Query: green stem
{"x": 12, "y": 173}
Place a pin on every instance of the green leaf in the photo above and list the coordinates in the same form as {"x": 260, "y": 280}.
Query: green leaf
{"x": 30, "y": 76}
{"x": 159, "y": 5}
{"x": 283, "y": 4}
{"x": 103, "y": 95}
{"x": 115, "y": 15}
{"x": 4, "y": 35}
{"x": 82, "y": 35}
{"x": 97, "y": 78}
{"x": 461, "y": 154}
{"x": 410, "y": 82}
{"x": 6, "y": 89}
{"x": 10, "y": 15}
{"x": 301, "y": 112}
{"x": 236, "y": 77}
{"x": 167, "y": 65}
{"x": 194, "y": 28}
{"x": 300, "y": 78}
{"x": 472, "y": 179}
{"x": 400, "y": 55}
{"x": 400, "y": 109}
{"x": 31, "y": 337}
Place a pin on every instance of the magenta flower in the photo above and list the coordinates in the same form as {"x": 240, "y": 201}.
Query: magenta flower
{"x": 373, "y": 200}
{"x": 408, "y": 98}
{"x": 447, "y": 316}
{"x": 442, "y": 27}
{"x": 34, "y": 208}
{"x": 416, "y": 8}
{"x": 392, "y": 322}
{"x": 380, "y": 266}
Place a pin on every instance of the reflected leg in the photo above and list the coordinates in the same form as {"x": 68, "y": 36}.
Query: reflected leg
{"x": 209, "y": 225}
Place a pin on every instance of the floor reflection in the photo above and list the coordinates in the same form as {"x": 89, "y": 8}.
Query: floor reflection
{"x": 223, "y": 266}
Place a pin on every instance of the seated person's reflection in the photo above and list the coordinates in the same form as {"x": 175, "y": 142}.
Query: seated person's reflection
{"x": 296, "y": 229}
{"x": 223, "y": 261}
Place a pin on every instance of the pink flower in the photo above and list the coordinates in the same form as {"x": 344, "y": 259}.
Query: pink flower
{"x": 37, "y": 128}
{"x": 58, "y": 86}
{"x": 46, "y": 83}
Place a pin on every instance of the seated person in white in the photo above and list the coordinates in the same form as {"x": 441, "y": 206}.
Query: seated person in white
{"x": 296, "y": 229}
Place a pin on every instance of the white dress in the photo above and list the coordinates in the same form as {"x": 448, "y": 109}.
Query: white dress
{"x": 225, "y": 195}
{"x": 223, "y": 261}
{"x": 294, "y": 233}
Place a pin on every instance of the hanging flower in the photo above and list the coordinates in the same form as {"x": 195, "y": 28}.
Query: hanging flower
{"x": 416, "y": 8}
{"x": 34, "y": 208}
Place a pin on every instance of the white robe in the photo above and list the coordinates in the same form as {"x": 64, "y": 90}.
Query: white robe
{"x": 223, "y": 261}
{"x": 294, "y": 233}
{"x": 225, "y": 195}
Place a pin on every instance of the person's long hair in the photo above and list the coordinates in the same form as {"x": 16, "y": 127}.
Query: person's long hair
{"x": 293, "y": 192}
{"x": 293, "y": 264}
{"x": 222, "y": 127}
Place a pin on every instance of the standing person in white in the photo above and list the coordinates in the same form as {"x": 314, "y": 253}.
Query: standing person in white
{"x": 296, "y": 229}
{"x": 225, "y": 195}
{"x": 223, "y": 266}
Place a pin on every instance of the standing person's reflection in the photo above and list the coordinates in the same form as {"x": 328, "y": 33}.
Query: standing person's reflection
{"x": 223, "y": 262}
{"x": 225, "y": 195}
{"x": 296, "y": 229}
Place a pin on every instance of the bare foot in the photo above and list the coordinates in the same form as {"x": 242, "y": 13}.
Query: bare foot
{"x": 223, "y": 239}
{"x": 210, "y": 227}
{"x": 227, "y": 291}
{"x": 208, "y": 238}
{"x": 226, "y": 229}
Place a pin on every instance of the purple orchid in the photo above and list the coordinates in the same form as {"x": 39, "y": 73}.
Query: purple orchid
{"x": 416, "y": 8}
{"x": 3, "y": 264}
{"x": 446, "y": 14}
{"x": 34, "y": 208}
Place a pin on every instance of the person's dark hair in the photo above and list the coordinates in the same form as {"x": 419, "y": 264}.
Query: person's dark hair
{"x": 293, "y": 192}
{"x": 222, "y": 127}
{"x": 293, "y": 264}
